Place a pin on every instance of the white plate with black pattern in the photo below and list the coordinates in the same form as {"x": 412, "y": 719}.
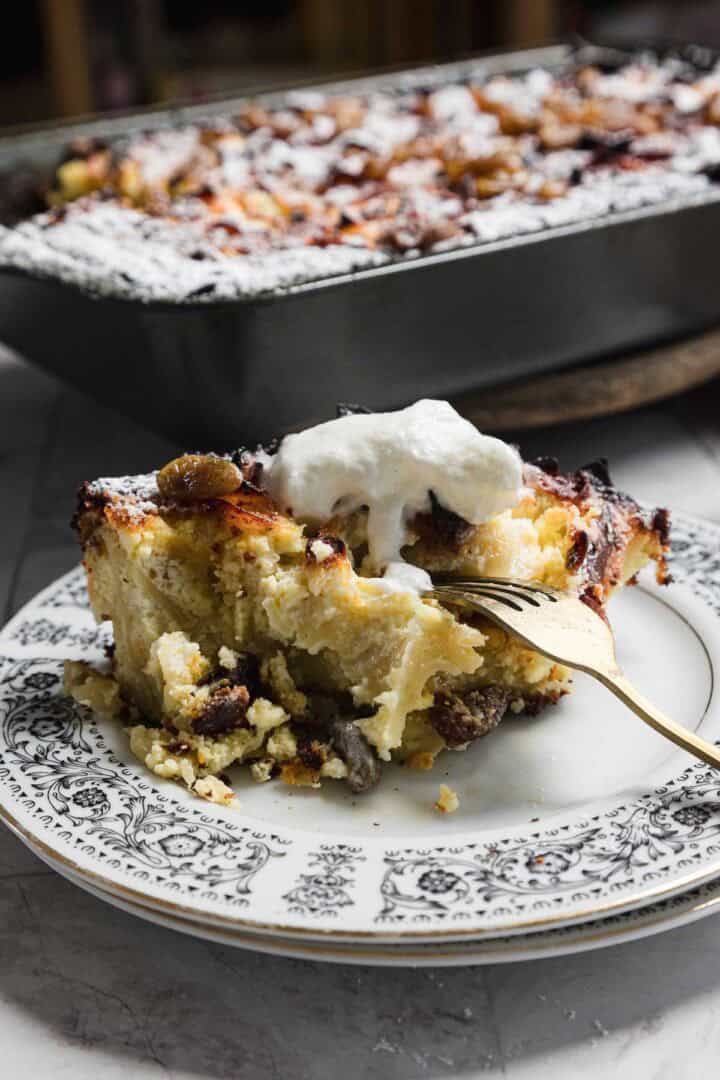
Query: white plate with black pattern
{"x": 573, "y": 816}
{"x": 676, "y": 911}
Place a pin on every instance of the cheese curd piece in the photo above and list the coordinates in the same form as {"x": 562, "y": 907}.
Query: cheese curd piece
{"x": 448, "y": 801}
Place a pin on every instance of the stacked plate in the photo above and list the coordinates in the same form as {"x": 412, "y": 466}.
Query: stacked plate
{"x": 579, "y": 829}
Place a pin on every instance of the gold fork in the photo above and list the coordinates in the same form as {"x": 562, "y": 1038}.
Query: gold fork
{"x": 567, "y": 630}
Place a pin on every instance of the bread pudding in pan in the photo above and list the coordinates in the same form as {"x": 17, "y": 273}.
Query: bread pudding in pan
{"x": 323, "y": 182}
{"x": 267, "y": 607}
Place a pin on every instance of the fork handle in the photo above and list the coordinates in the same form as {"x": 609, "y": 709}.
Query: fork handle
{"x": 643, "y": 708}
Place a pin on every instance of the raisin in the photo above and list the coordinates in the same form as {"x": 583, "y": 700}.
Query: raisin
{"x": 460, "y": 720}
{"x": 225, "y": 711}
{"x": 451, "y": 529}
{"x": 336, "y": 718}
{"x": 354, "y": 749}
{"x": 578, "y": 551}
{"x": 247, "y": 673}
{"x": 198, "y": 476}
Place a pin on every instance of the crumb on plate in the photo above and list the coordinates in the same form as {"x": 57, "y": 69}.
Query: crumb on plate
{"x": 448, "y": 801}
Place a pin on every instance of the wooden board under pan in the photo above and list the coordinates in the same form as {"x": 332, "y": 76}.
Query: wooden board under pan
{"x": 599, "y": 389}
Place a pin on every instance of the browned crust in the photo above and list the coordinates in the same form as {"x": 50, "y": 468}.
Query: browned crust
{"x": 249, "y": 509}
{"x": 338, "y": 546}
{"x": 599, "y": 551}
{"x": 596, "y": 552}
{"x": 584, "y": 486}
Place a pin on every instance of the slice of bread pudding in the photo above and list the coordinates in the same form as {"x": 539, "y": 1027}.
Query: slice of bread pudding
{"x": 243, "y": 635}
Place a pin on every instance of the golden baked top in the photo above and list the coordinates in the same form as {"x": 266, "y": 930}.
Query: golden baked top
{"x": 398, "y": 171}
{"x": 600, "y": 524}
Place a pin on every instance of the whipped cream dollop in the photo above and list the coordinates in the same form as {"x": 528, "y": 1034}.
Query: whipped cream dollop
{"x": 390, "y": 463}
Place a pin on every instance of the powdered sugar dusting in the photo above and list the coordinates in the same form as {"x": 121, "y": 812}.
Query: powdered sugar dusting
{"x": 523, "y": 94}
{"x": 135, "y": 492}
{"x": 635, "y": 83}
{"x": 601, "y": 196}
{"x": 164, "y": 152}
{"x": 115, "y": 251}
{"x": 118, "y": 252}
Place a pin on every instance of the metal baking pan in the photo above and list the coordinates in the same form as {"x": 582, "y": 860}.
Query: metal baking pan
{"x": 215, "y": 374}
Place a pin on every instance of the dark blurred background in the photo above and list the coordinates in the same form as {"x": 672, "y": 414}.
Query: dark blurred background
{"x": 68, "y": 57}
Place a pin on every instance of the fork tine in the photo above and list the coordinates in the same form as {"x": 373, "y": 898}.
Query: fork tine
{"x": 530, "y": 586}
{"x": 468, "y": 596}
{"x": 517, "y": 597}
{"x": 483, "y": 586}
{"x": 509, "y": 599}
{"x": 517, "y": 593}
{"x": 510, "y": 584}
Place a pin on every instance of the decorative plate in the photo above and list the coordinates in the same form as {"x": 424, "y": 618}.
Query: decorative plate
{"x": 573, "y": 816}
{"x": 676, "y": 911}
